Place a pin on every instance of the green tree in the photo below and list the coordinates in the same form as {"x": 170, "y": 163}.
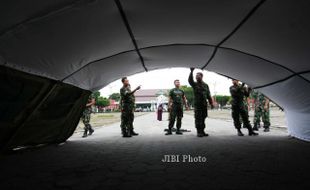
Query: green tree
{"x": 222, "y": 100}
{"x": 102, "y": 101}
{"x": 115, "y": 96}
{"x": 188, "y": 91}
{"x": 96, "y": 94}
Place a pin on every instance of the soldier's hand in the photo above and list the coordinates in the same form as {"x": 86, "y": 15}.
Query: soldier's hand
{"x": 139, "y": 87}
{"x": 187, "y": 108}
{"x": 192, "y": 69}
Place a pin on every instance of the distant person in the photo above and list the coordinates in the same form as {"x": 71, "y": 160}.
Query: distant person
{"x": 160, "y": 112}
{"x": 88, "y": 130}
{"x": 177, "y": 100}
{"x": 261, "y": 105}
{"x": 238, "y": 92}
{"x": 127, "y": 105}
{"x": 201, "y": 96}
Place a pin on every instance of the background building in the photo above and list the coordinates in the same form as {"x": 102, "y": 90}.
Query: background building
{"x": 149, "y": 99}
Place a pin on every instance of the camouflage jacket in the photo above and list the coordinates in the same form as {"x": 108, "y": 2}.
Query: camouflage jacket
{"x": 201, "y": 92}
{"x": 127, "y": 100}
{"x": 176, "y": 95}
{"x": 259, "y": 98}
{"x": 238, "y": 94}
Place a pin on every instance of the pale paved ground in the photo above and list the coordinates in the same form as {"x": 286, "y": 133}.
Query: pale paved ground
{"x": 104, "y": 119}
{"x": 108, "y": 161}
{"x": 277, "y": 118}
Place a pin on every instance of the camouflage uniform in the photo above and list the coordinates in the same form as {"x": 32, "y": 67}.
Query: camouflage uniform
{"x": 201, "y": 95}
{"x": 238, "y": 93}
{"x": 260, "y": 111}
{"x": 246, "y": 108}
{"x": 86, "y": 117}
{"x": 176, "y": 111}
{"x": 127, "y": 103}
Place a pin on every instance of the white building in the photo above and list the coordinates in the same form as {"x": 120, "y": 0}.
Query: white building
{"x": 149, "y": 99}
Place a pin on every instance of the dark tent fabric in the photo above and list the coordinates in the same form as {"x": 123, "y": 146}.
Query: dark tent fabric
{"x": 35, "y": 110}
{"x": 83, "y": 45}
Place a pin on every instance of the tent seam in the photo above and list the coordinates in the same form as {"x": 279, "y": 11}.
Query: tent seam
{"x": 252, "y": 11}
{"x": 94, "y": 61}
{"x": 179, "y": 44}
{"x": 38, "y": 17}
{"x": 125, "y": 20}
{"x": 284, "y": 79}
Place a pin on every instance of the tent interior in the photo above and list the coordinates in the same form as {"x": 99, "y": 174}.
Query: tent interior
{"x": 53, "y": 53}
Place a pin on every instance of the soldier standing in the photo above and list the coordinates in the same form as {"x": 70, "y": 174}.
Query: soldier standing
{"x": 238, "y": 92}
{"x": 261, "y": 104}
{"x": 175, "y": 106}
{"x": 88, "y": 130}
{"x": 201, "y": 95}
{"x": 127, "y": 107}
{"x": 246, "y": 108}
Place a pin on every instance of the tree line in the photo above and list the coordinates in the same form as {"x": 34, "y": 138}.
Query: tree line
{"x": 103, "y": 101}
{"x": 220, "y": 99}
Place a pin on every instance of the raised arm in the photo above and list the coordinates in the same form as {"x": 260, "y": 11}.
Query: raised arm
{"x": 92, "y": 102}
{"x": 132, "y": 92}
{"x": 191, "y": 77}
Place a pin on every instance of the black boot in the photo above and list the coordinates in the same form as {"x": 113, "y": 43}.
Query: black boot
{"x": 200, "y": 133}
{"x": 266, "y": 129}
{"x": 251, "y": 132}
{"x": 255, "y": 128}
{"x": 179, "y": 132}
{"x": 169, "y": 132}
{"x": 240, "y": 133}
{"x": 85, "y": 134}
{"x": 86, "y": 129}
{"x": 91, "y": 130}
{"x": 205, "y": 134}
{"x": 125, "y": 133}
{"x": 133, "y": 133}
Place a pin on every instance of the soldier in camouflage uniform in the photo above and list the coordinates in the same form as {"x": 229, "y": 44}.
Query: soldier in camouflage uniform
{"x": 201, "y": 95}
{"x": 246, "y": 108}
{"x": 238, "y": 92}
{"x": 261, "y": 104}
{"x": 88, "y": 130}
{"x": 127, "y": 106}
{"x": 176, "y": 101}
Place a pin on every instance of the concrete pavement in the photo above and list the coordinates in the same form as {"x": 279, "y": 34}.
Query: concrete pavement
{"x": 105, "y": 160}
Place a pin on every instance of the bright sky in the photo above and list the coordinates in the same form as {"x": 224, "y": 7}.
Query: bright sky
{"x": 163, "y": 79}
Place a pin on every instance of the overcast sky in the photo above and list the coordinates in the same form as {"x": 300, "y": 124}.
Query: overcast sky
{"x": 163, "y": 79}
